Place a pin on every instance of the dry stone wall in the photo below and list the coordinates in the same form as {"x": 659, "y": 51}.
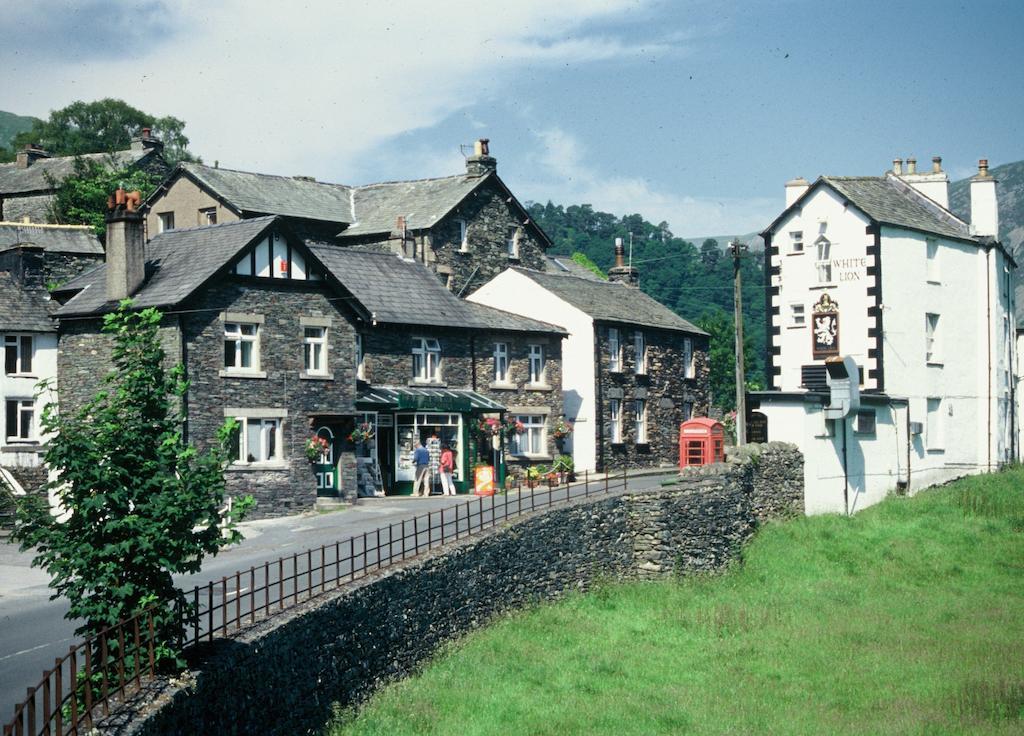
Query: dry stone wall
{"x": 283, "y": 676}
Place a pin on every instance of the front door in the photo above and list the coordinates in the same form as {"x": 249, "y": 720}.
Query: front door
{"x": 325, "y": 468}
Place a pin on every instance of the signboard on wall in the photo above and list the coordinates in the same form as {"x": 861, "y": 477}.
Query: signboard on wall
{"x": 825, "y": 327}
{"x": 757, "y": 427}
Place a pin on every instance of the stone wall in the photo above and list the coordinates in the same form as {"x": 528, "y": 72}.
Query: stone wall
{"x": 664, "y": 388}
{"x": 343, "y": 647}
{"x": 35, "y": 206}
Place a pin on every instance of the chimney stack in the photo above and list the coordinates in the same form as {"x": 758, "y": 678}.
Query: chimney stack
{"x": 29, "y": 155}
{"x": 146, "y": 142}
{"x": 481, "y": 162}
{"x": 933, "y": 184}
{"x": 984, "y": 205}
{"x": 897, "y": 166}
{"x": 795, "y": 189}
{"x": 620, "y": 272}
{"x": 126, "y": 260}
{"x": 911, "y": 165}
{"x": 936, "y": 164}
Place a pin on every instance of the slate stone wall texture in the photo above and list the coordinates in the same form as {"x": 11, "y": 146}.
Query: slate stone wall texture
{"x": 664, "y": 388}
{"x": 36, "y": 207}
{"x": 341, "y": 648}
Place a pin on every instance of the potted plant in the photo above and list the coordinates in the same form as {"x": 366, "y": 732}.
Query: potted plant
{"x": 534, "y": 474}
{"x": 362, "y": 433}
{"x": 564, "y": 466}
{"x": 317, "y": 448}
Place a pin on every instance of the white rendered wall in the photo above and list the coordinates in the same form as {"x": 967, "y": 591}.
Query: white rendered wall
{"x": 875, "y": 462}
{"x": 513, "y": 292}
{"x": 44, "y": 366}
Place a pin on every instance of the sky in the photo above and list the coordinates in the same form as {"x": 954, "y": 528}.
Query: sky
{"x": 693, "y": 112}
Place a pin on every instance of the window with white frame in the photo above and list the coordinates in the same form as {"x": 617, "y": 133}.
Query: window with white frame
{"x": 426, "y": 360}
{"x": 501, "y": 362}
{"x": 796, "y": 241}
{"x": 615, "y": 420}
{"x": 241, "y": 346}
{"x": 463, "y": 235}
{"x": 688, "y": 365}
{"x": 932, "y": 260}
{"x": 823, "y": 262}
{"x": 360, "y": 362}
{"x": 933, "y": 428}
{"x": 20, "y": 417}
{"x": 314, "y": 350}
{"x": 538, "y": 367}
{"x": 208, "y": 216}
{"x": 512, "y": 241}
{"x": 614, "y": 350}
{"x": 534, "y": 438}
{"x": 258, "y": 440}
{"x": 640, "y": 421}
{"x": 797, "y": 315}
{"x": 931, "y": 338}
{"x": 640, "y": 352}
{"x": 18, "y": 351}
{"x": 164, "y": 222}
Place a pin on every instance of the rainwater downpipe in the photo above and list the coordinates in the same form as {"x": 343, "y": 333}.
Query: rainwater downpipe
{"x": 846, "y": 473}
{"x": 988, "y": 337}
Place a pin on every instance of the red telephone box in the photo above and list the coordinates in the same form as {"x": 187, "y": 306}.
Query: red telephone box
{"x": 701, "y": 442}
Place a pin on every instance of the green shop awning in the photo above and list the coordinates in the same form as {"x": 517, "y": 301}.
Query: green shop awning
{"x": 425, "y": 399}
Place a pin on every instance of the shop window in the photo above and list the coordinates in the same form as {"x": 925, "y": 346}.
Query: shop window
{"x": 614, "y": 350}
{"x": 314, "y": 350}
{"x": 615, "y": 420}
{"x": 20, "y": 420}
{"x": 18, "y": 351}
{"x": 640, "y": 352}
{"x": 241, "y": 347}
{"x": 258, "y": 440}
{"x": 501, "y": 362}
{"x": 640, "y": 421}
{"x": 426, "y": 360}
{"x": 533, "y": 440}
{"x": 538, "y": 368}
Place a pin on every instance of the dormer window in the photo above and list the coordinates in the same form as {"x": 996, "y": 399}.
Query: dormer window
{"x": 273, "y": 257}
{"x": 164, "y": 222}
{"x": 208, "y": 216}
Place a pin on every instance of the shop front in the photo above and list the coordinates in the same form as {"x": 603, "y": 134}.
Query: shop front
{"x": 435, "y": 418}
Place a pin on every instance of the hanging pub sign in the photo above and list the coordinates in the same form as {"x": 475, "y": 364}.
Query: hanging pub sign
{"x": 825, "y": 327}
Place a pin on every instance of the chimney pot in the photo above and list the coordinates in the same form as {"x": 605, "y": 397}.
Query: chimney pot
{"x": 146, "y": 132}
{"x": 911, "y": 165}
{"x": 620, "y": 272}
{"x": 936, "y": 164}
{"x": 897, "y": 166}
{"x": 481, "y": 162}
{"x": 983, "y": 167}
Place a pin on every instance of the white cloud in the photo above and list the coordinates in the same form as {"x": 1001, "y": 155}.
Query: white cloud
{"x": 562, "y": 174}
{"x": 305, "y": 88}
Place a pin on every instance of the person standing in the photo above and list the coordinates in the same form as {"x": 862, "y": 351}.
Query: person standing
{"x": 421, "y": 459}
{"x": 447, "y": 466}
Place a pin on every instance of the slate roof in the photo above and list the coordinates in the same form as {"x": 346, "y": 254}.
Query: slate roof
{"x": 34, "y": 178}
{"x": 398, "y": 291}
{"x": 566, "y": 265}
{"x": 422, "y": 202}
{"x": 51, "y": 238}
{"x": 177, "y": 263}
{"x": 610, "y": 301}
{"x": 24, "y": 310}
{"x": 267, "y": 194}
{"x": 889, "y": 200}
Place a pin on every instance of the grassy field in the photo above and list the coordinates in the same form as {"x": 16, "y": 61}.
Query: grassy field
{"x": 905, "y": 619}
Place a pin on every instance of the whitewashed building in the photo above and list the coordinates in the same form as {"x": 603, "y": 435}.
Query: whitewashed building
{"x": 877, "y": 268}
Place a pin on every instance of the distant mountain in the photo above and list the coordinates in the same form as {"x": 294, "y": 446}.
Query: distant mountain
{"x": 11, "y": 125}
{"x": 1010, "y": 193}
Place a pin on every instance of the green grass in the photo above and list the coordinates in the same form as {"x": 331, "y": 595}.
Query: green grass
{"x": 905, "y": 619}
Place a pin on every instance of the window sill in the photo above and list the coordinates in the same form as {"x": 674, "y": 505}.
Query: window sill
{"x": 502, "y": 386}
{"x": 513, "y": 258}
{"x": 935, "y": 363}
{"x": 464, "y": 251}
{"x": 640, "y": 374}
{"x": 251, "y": 467}
{"x": 795, "y": 327}
{"x": 427, "y": 384}
{"x": 22, "y": 375}
{"x": 303, "y": 376}
{"x": 795, "y": 253}
{"x": 936, "y": 451}
{"x": 539, "y": 387}
{"x": 821, "y": 286}
{"x": 644, "y": 446}
{"x": 226, "y": 373}
{"x": 21, "y": 445}
{"x": 933, "y": 281}
{"x": 531, "y": 458}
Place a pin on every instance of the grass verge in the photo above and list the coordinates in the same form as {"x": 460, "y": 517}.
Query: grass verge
{"x": 905, "y": 619}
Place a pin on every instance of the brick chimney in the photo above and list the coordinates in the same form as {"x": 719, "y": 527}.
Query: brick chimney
{"x": 31, "y": 153}
{"x": 126, "y": 259}
{"x": 984, "y": 207}
{"x": 620, "y": 272}
{"x": 146, "y": 142}
{"x": 481, "y": 162}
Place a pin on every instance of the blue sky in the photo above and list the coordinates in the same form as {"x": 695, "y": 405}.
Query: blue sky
{"x": 691, "y": 112}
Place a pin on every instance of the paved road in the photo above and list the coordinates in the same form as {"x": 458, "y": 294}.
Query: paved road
{"x": 33, "y": 631}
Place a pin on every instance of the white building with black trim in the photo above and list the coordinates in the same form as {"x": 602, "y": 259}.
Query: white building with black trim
{"x": 877, "y": 268}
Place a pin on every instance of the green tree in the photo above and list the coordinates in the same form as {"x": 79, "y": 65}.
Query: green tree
{"x": 722, "y": 358}
{"x": 82, "y": 197}
{"x": 142, "y": 505}
{"x": 103, "y": 126}
{"x": 583, "y": 260}
{"x": 710, "y": 253}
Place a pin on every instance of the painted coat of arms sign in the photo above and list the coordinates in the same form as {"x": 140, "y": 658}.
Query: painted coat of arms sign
{"x": 825, "y": 327}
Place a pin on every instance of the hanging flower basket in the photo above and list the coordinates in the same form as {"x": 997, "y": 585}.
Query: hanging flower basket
{"x": 489, "y": 427}
{"x": 562, "y": 429}
{"x": 513, "y": 427}
{"x": 362, "y": 433}
{"x": 316, "y": 448}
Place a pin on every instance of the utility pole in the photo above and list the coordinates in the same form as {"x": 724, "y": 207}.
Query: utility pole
{"x": 741, "y": 391}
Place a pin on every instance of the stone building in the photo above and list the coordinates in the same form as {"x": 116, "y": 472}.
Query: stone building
{"x": 465, "y": 228}
{"x": 33, "y": 257}
{"x": 878, "y": 270}
{"x": 28, "y": 185}
{"x": 633, "y": 370}
{"x": 293, "y": 339}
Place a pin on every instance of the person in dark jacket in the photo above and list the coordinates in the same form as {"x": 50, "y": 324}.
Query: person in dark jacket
{"x": 421, "y": 459}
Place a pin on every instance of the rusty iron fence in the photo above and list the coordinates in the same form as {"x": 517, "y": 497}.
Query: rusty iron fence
{"x": 84, "y": 685}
